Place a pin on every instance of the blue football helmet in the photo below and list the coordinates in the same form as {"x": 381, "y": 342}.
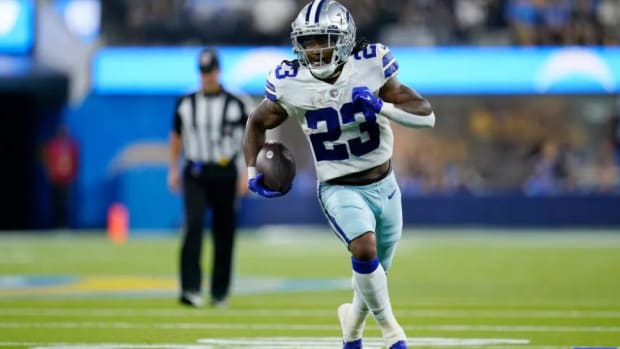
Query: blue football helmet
{"x": 323, "y": 36}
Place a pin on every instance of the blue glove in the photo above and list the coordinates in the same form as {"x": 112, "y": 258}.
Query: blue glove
{"x": 363, "y": 97}
{"x": 256, "y": 185}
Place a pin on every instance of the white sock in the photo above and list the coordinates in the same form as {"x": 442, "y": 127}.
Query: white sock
{"x": 372, "y": 287}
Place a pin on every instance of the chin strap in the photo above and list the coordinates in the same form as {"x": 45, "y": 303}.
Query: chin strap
{"x": 333, "y": 74}
{"x": 323, "y": 73}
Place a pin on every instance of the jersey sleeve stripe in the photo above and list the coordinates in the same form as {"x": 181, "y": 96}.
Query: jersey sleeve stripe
{"x": 270, "y": 86}
{"x": 387, "y": 59}
{"x": 272, "y": 97}
{"x": 391, "y": 70}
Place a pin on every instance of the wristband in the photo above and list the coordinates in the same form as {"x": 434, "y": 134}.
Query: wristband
{"x": 404, "y": 118}
{"x": 251, "y": 171}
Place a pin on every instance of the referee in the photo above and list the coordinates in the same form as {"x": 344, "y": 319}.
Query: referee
{"x": 208, "y": 126}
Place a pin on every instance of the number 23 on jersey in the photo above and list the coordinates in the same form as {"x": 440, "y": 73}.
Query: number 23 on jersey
{"x": 328, "y": 145}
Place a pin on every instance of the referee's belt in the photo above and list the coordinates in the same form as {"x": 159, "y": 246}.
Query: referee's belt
{"x": 222, "y": 162}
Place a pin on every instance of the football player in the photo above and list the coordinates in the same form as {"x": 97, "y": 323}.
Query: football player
{"x": 343, "y": 94}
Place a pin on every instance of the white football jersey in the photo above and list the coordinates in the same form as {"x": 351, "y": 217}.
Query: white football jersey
{"x": 342, "y": 138}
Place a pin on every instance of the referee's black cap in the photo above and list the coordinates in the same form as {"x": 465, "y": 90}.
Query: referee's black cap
{"x": 208, "y": 60}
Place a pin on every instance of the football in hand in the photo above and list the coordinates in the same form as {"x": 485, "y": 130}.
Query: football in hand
{"x": 277, "y": 164}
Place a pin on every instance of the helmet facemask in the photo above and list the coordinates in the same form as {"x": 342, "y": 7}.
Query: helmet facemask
{"x": 321, "y": 53}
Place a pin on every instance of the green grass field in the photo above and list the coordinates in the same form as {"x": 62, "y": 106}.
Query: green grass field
{"x": 449, "y": 288}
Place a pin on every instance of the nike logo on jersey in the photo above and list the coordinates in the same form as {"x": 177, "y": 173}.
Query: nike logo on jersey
{"x": 392, "y": 194}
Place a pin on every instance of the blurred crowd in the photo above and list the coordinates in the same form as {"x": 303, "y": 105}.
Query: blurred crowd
{"x": 396, "y": 22}
{"x": 535, "y": 145}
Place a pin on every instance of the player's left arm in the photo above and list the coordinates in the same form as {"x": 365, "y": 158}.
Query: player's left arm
{"x": 398, "y": 103}
{"x": 405, "y": 106}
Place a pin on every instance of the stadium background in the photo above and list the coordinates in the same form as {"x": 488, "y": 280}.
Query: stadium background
{"x": 525, "y": 92}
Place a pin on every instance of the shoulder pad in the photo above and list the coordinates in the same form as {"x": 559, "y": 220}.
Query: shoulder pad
{"x": 378, "y": 56}
{"x": 278, "y": 76}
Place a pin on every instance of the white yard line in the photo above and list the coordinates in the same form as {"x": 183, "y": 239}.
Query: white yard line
{"x": 368, "y": 342}
{"x": 307, "y": 313}
{"x": 295, "y": 343}
{"x": 307, "y": 327}
{"x": 104, "y": 345}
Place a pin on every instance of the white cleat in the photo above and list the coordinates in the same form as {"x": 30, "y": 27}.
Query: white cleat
{"x": 395, "y": 339}
{"x": 352, "y": 338}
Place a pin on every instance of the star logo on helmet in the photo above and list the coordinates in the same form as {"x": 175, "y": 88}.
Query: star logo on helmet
{"x": 339, "y": 15}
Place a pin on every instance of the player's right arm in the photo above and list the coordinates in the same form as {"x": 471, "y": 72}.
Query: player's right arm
{"x": 266, "y": 116}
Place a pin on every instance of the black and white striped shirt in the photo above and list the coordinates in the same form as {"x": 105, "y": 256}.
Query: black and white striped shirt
{"x": 211, "y": 126}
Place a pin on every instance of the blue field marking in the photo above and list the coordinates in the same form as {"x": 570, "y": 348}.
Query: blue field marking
{"x": 37, "y": 286}
{"x": 32, "y": 281}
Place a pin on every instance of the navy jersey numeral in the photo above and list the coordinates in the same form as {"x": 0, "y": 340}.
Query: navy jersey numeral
{"x": 354, "y": 146}
{"x": 369, "y": 51}
{"x": 286, "y": 71}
